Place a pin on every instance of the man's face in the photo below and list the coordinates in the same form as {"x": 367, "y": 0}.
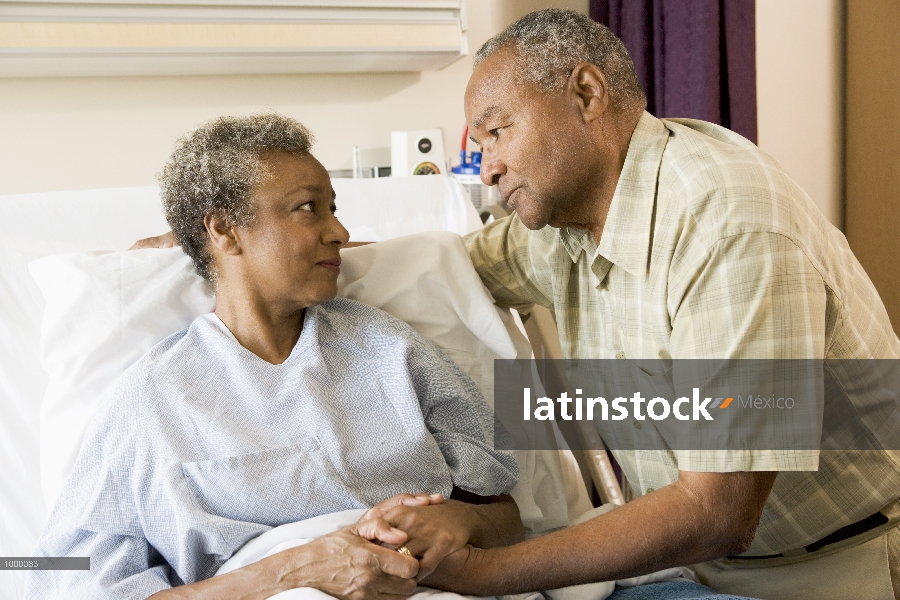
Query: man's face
{"x": 536, "y": 145}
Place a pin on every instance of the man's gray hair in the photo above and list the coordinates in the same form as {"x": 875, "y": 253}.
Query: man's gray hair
{"x": 215, "y": 169}
{"x": 549, "y": 43}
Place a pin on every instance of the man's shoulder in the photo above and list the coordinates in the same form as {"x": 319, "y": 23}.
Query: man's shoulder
{"x": 726, "y": 185}
{"x": 708, "y": 156}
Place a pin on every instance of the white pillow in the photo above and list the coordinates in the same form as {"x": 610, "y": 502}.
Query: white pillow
{"x": 105, "y": 310}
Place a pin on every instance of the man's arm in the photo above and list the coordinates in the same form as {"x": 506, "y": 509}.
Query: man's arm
{"x": 512, "y": 262}
{"x": 495, "y": 520}
{"x": 699, "y": 517}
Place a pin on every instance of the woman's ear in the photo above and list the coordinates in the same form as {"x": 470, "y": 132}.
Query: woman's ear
{"x": 221, "y": 233}
{"x": 591, "y": 91}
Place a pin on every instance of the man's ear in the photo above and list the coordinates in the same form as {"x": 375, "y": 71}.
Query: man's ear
{"x": 221, "y": 233}
{"x": 591, "y": 91}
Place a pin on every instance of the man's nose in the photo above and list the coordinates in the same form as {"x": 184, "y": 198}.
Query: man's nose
{"x": 491, "y": 168}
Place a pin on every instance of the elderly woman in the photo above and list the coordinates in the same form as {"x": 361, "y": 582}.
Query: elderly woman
{"x": 284, "y": 404}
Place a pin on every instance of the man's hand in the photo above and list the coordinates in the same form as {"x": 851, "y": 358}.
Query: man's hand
{"x": 434, "y": 530}
{"x": 432, "y": 535}
{"x": 166, "y": 240}
{"x": 438, "y": 528}
{"x": 455, "y": 565}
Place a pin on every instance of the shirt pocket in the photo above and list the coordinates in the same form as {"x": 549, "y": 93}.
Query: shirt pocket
{"x": 270, "y": 487}
{"x": 654, "y": 379}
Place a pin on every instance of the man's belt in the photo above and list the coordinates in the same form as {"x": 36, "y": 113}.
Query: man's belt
{"x": 844, "y": 533}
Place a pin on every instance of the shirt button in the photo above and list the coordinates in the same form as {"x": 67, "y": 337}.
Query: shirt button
{"x": 637, "y": 425}
{"x": 620, "y": 354}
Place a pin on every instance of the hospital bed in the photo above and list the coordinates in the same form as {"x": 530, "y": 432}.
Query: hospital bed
{"x": 78, "y": 317}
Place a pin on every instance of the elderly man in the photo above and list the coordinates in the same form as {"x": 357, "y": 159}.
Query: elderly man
{"x": 674, "y": 239}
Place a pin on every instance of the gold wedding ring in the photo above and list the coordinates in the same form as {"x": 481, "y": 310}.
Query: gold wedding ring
{"x": 404, "y": 550}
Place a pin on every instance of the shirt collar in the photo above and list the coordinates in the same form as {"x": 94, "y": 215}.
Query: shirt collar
{"x": 626, "y": 234}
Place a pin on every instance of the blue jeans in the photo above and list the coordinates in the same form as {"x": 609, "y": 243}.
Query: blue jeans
{"x": 670, "y": 590}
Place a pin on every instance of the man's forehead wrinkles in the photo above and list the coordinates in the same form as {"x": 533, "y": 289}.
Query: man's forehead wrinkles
{"x": 485, "y": 115}
{"x": 306, "y": 187}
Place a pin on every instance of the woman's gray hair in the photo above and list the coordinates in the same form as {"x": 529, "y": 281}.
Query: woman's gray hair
{"x": 549, "y": 43}
{"x": 215, "y": 169}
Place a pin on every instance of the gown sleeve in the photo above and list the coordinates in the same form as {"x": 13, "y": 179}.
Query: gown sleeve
{"x": 96, "y": 514}
{"x": 461, "y": 423}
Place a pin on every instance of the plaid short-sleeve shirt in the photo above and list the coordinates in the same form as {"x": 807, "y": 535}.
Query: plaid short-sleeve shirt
{"x": 711, "y": 251}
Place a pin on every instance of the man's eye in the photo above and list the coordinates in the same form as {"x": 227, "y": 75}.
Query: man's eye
{"x": 307, "y": 206}
{"x": 496, "y": 131}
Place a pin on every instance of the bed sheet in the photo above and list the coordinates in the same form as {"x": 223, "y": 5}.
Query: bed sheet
{"x": 296, "y": 534}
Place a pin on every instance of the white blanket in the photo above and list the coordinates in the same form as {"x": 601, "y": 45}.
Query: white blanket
{"x": 299, "y": 533}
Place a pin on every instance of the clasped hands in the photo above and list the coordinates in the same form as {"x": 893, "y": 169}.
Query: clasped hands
{"x": 361, "y": 561}
{"x": 434, "y": 528}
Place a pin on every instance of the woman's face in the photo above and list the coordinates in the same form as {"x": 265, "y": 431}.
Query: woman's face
{"x": 291, "y": 251}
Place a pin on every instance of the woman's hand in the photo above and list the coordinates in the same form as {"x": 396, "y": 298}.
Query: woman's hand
{"x": 166, "y": 240}
{"x": 348, "y": 564}
{"x": 378, "y": 511}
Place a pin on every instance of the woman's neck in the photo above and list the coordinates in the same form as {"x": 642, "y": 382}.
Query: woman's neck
{"x": 270, "y": 332}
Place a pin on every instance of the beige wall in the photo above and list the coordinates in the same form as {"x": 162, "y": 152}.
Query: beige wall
{"x": 799, "y": 87}
{"x": 80, "y": 133}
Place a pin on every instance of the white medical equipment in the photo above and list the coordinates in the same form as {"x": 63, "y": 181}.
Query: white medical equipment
{"x": 39, "y": 225}
{"x": 417, "y": 153}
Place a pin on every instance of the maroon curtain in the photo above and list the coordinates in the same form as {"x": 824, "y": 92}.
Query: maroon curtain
{"x": 695, "y": 58}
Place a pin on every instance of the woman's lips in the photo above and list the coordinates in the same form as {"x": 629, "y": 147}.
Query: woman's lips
{"x": 332, "y": 264}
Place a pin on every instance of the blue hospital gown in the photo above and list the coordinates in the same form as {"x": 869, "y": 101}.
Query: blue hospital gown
{"x": 202, "y": 445}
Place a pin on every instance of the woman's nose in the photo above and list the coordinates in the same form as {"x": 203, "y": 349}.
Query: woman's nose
{"x": 335, "y": 233}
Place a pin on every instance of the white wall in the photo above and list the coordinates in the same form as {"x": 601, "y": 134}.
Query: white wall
{"x": 799, "y": 91}
{"x": 81, "y": 133}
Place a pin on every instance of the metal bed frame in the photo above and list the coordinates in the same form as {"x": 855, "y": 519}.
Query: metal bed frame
{"x": 594, "y": 462}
